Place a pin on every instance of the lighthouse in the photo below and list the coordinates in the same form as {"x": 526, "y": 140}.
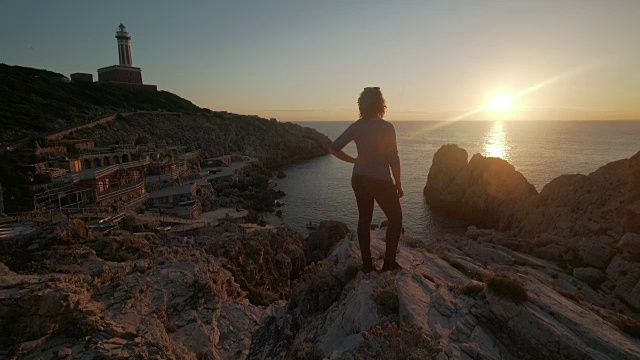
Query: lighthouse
{"x": 123, "y": 74}
{"x": 124, "y": 46}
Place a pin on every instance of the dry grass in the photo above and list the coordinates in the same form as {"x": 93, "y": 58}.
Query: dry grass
{"x": 472, "y": 288}
{"x": 319, "y": 289}
{"x": 507, "y": 286}
{"x": 416, "y": 244}
{"x": 389, "y": 341}
{"x": 385, "y": 296}
{"x": 440, "y": 251}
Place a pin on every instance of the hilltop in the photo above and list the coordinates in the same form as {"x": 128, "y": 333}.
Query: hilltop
{"x": 35, "y": 102}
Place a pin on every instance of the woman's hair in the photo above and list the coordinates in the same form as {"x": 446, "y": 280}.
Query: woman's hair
{"x": 371, "y": 103}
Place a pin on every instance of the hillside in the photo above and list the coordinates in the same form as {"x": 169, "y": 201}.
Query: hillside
{"x": 35, "y": 102}
{"x": 215, "y": 134}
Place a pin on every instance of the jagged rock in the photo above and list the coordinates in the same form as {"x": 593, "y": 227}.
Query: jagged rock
{"x": 594, "y": 252}
{"x": 447, "y": 163}
{"x": 65, "y": 353}
{"x": 576, "y": 221}
{"x": 603, "y": 202}
{"x": 437, "y": 296}
{"x": 263, "y": 262}
{"x": 325, "y": 237}
{"x": 484, "y": 191}
{"x": 623, "y": 277}
{"x": 174, "y": 301}
{"x": 589, "y": 275}
{"x": 630, "y": 245}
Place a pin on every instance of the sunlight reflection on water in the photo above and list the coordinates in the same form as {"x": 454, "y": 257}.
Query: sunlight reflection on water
{"x": 495, "y": 142}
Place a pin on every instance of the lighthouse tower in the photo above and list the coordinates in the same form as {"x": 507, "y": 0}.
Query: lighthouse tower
{"x": 125, "y": 73}
{"x": 124, "y": 46}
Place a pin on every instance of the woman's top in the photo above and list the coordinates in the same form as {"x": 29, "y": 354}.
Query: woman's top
{"x": 376, "y": 143}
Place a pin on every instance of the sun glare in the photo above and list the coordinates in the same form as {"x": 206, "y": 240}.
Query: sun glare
{"x": 501, "y": 103}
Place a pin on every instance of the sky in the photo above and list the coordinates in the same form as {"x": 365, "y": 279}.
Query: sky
{"x": 309, "y": 60}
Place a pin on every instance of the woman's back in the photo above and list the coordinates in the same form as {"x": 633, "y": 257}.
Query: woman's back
{"x": 376, "y": 143}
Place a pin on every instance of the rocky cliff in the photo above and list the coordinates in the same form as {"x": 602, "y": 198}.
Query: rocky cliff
{"x": 589, "y": 225}
{"x": 457, "y": 297}
{"x": 68, "y": 293}
{"x": 490, "y": 192}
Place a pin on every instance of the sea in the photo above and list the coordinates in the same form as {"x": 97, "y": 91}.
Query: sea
{"x": 320, "y": 189}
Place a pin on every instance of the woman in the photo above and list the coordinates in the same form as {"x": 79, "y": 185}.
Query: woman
{"x": 375, "y": 140}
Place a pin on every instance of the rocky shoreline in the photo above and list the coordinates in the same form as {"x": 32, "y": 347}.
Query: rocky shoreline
{"x": 587, "y": 224}
{"x": 521, "y": 284}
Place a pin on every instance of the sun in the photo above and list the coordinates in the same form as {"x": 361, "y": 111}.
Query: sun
{"x": 501, "y": 102}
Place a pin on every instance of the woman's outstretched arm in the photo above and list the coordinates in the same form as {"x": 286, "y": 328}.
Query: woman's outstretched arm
{"x": 342, "y": 155}
{"x": 339, "y": 144}
{"x": 394, "y": 161}
{"x": 396, "y": 175}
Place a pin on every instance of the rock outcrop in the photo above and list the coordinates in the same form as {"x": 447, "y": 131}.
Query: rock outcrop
{"x": 456, "y": 298}
{"x": 589, "y": 225}
{"x": 263, "y": 263}
{"x": 66, "y": 292}
{"x": 483, "y": 191}
{"x": 176, "y": 302}
{"x": 605, "y": 202}
{"x": 321, "y": 241}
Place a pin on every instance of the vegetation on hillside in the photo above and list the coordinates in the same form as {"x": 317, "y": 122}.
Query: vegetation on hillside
{"x": 35, "y": 102}
{"x": 215, "y": 134}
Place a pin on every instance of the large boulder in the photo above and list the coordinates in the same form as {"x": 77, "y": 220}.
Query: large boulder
{"x": 623, "y": 278}
{"x": 448, "y": 161}
{"x": 630, "y": 246}
{"x": 589, "y": 275}
{"x": 606, "y": 201}
{"x": 321, "y": 241}
{"x": 594, "y": 252}
{"x": 483, "y": 191}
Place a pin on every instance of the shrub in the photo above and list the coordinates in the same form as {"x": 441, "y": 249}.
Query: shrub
{"x": 473, "y": 288}
{"x": 305, "y": 350}
{"x": 260, "y": 296}
{"x": 389, "y": 341}
{"x": 318, "y": 290}
{"x": 416, "y": 244}
{"x": 508, "y": 287}
{"x": 385, "y": 296}
{"x": 440, "y": 251}
{"x": 351, "y": 272}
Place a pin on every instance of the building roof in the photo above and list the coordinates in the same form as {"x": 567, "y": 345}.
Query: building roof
{"x": 119, "y": 67}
